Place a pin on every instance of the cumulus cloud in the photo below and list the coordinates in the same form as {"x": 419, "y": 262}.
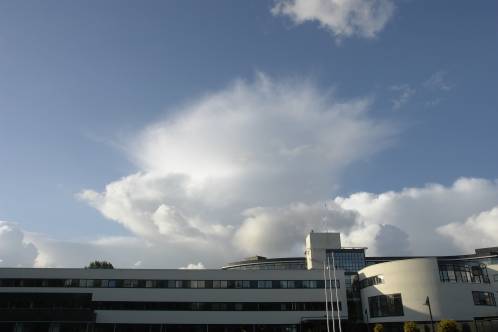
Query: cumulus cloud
{"x": 250, "y": 170}
{"x": 404, "y": 93}
{"x": 15, "y": 251}
{"x": 343, "y": 18}
{"x": 420, "y": 212}
{"x": 479, "y": 230}
{"x": 280, "y": 230}
{"x": 226, "y": 157}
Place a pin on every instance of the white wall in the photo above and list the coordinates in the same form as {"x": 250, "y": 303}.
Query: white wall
{"x": 189, "y": 295}
{"x": 316, "y": 246}
{"x": 418, "y": 278}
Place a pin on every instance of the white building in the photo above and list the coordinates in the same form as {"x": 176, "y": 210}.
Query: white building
{"x": 258, "y": 294}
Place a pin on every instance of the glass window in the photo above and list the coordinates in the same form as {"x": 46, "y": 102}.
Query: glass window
{"x": 264, "y": 283}
{"x": 371, "y": 281}
{"x": 224, "y": 284}
{"x": 216, "y": 283}
{"x": 495, "y": 277}
{"x": 484, "y": 298}
{"x": 246, "y": 284}
{"x": 130, "y": 283}
{"x": 385, "y": 305}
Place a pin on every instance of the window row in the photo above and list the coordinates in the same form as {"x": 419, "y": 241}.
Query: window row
{"x": 34, "y": 304}
{"x": 371, "y": 281}
{"x": 484, "y": 298}
{"x": 385, "y": 305}
{"x": 270, "y": 266}
{"x": 140, "y": 283}
{"x": 463, "y": 273}
{"x": 213, "y": 306}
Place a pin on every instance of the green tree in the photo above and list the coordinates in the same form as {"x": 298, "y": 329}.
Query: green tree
{"x": 99, "y": 265}
{"x": 379, "y": 328}
{"x": 410, "y": 327}
{"x": 447, "y": 325}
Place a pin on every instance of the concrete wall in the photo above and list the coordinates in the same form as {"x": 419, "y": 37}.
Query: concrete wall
{"x": 316, "y": 246}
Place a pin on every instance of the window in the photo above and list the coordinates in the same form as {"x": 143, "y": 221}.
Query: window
{"x": 371, "y": 281}
{"x": 385, "y": 305}
{"x": 130, "y": 283}
{"x": 495, "y": 277}
{"x": 264, "y": 283}
{"x": 484, "y": 298}
{"x": 350, "y": 260}
{"x": 150, "y": 284}
{"x": 462, "y": 273}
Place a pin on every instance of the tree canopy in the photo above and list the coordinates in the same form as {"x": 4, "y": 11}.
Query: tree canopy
{"x": 99, "y": 265}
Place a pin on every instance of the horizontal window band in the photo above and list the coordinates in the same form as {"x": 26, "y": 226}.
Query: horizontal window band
{"x": 170, "y": 284}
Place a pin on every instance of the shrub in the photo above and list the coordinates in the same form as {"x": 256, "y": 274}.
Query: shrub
{"x": 447, "y": 326}
{"x": 379, "y": 328}
{"x": 410, "y": 327}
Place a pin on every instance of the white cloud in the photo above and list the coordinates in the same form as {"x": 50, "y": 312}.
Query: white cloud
{"x": 15, "y": 251}
{"x": 419, "y": 212}
{"x": 438, "y": 82}
{"x": 266, "y": 143}
{"x": 404, "y": 93}
{"x": 479, "y": 230}
{"x": 343, "y": 18}
{"x": 250, "y": 170}
{"x": 278, "y": 231}
{"x": 428, "y": 220}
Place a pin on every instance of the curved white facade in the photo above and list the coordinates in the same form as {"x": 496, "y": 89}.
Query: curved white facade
{"x": 417, "y": 279}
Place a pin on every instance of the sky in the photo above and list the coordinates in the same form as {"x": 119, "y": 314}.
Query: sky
{"x": 167, "y": 134}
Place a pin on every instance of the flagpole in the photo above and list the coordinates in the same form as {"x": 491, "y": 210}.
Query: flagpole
{"x": 326, "y": 297}
{"x": 331, "y": 296}
{"x": 336, "y": 296}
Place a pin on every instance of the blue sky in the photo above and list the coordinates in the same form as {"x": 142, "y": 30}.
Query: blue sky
{"x": 80, "y": 82}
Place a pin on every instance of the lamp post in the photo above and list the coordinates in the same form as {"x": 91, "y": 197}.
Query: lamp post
{"x": 428, "y": 303}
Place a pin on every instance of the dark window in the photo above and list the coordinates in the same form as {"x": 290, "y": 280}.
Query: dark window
{"x": 385, "y": 305}
{"x": 484, "y": 298}
{"x": 449, "y": 272}
{"x": 371, "y": 281}
{"x": 350, "y": 260}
